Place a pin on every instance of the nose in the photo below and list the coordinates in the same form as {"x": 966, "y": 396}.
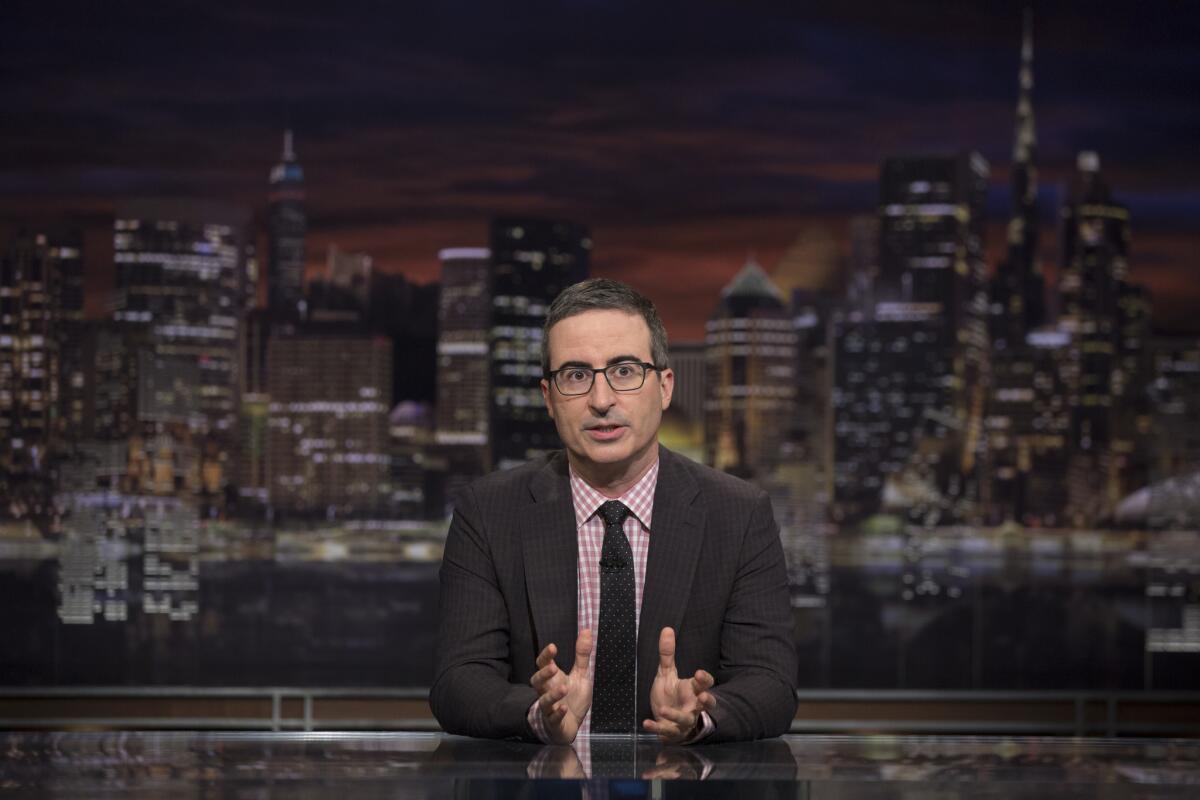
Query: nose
{"x": 602, "y": 397}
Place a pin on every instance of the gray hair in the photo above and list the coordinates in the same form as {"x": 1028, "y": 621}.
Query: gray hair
{"x": 605, "y": 294}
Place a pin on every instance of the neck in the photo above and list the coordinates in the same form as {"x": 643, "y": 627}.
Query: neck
{"x": 614, "y": 480}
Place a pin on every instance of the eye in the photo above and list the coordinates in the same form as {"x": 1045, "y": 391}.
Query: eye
{"x": 625, "y": 370}
{"x": 576, "y": 376}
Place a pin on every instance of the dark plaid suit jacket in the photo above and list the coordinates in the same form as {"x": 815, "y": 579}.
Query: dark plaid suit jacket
{"x": 714, "y": 572}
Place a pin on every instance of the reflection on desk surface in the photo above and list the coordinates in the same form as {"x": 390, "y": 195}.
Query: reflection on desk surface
{"x": 437, "y": 765}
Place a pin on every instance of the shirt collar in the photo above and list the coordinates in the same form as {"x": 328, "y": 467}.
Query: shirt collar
{"x": 639, "y": 498}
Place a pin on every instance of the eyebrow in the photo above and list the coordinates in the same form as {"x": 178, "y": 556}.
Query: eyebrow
{"x": 611, "y": 361}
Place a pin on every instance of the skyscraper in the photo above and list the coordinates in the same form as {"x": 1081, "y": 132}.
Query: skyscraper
{"x": 341, "y": 298}
{"x": 812, "y": 315}
{"x": 532, "y": 261}
{"x": 328, "y": 422}
{"x": 931, "y": 238}
{"x": 251, "y": 475}
{"x": 909, "y": 377}
{"x": 1028, "y": 424}
{"x": 463, "y": 366}
{"x": 689, "y": 363}
{"x": 863, "y": 263}
{"x": 1095, "y": 237}
{"x": 349, "y": 273}
{"x": 1019, "y": 287}
{"x": 28, "y": 354}
{"x": 407, "y": 313}
{"x": 180, "y": 295}
{"x": 417, "y": 473}
{"x": 932, "y": 241}
{"x": 115, "y": 359}
{"x": 1108, "y": 317}
{"x": 1175, "y": 393}
{"x": 753, "y": 427}
{"x": 252, "y": 269}
{"x": 65, "y": 248}
{"x": 889, "y": 405}
{"x": 682, "y": 428}
{"x": 464, "y": 314}
{"x": 286, "y": 226}
{"x": 750, "y": 347}
{"x": 1016, "y": 450}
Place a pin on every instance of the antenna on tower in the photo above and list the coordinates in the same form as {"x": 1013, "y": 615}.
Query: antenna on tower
{"x": 1027, "y": 35}
{"x": 289, "y": 154}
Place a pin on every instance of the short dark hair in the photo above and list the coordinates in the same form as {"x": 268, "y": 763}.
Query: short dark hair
{"x": 605, "y": 294}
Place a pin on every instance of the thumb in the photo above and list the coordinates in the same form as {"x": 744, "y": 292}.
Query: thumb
{"x": 666, "y": 650}
{"x": 583, "y": 651}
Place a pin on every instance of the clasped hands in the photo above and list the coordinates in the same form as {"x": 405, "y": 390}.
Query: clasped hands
{"x": 565, "y": 697}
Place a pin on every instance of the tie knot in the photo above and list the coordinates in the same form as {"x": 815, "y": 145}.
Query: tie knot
{"x": 614, "y": 512}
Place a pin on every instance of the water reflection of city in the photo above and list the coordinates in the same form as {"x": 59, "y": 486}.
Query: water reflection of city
{"x": 959, "y": 610}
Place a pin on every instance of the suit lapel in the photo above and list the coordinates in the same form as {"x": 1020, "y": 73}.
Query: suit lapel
{"x": 676, "y": 536}
{"x": 550, "y": 549}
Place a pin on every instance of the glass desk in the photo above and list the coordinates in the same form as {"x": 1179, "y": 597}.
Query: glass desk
{"x": 353, "y": 765}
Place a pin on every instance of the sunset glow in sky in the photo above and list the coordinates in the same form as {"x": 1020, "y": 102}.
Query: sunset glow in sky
{"x": 685, "y": 137}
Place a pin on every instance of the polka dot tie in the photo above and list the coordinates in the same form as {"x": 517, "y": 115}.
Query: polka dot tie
{"x": 613, "y": 696}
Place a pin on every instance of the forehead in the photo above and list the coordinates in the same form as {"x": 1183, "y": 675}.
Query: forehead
{"x": 593, "y": 337}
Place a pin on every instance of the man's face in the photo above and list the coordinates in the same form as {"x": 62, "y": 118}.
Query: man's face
{"x": 605, "y": 429}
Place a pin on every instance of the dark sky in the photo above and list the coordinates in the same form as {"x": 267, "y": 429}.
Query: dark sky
{"x": 686, "y": 135}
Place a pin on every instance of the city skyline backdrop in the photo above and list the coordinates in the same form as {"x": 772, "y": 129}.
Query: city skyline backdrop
{"x": 685, "y": 142}
{"x": 966, "y": 498}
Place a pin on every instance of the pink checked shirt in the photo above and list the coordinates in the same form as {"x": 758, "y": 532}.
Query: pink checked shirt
{"x": 590, "y": 530}
{"x": 639, "y": 500}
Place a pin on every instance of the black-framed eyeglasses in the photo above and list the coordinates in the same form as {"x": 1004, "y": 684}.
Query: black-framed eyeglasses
{"x": 624, "y": 376}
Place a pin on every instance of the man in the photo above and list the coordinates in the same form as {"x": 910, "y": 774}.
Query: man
{"x": 618, "y": 586}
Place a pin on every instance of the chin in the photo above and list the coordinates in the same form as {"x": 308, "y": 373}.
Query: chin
{"x": 608, "y": 455}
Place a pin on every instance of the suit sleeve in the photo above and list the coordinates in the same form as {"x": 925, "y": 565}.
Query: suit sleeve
{"x": 472, "y": 694}
{"x": 756, "y": 681}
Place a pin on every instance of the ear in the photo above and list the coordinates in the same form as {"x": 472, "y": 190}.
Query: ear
{"x": 666, "y": 382}
{"x": 545, "y": 384}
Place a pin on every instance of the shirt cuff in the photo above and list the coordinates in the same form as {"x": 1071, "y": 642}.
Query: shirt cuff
{"x": 537, "y": 724}
{"x": 706, "y": 729}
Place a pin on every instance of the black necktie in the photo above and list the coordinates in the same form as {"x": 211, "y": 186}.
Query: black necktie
{"x": 613, "y": 696}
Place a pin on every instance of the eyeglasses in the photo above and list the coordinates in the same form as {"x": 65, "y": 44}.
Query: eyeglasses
{"x": 624, "y": 376}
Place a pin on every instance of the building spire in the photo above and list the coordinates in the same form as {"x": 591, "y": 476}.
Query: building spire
{"x": 1025, "y": 186}
{"x": 289, "y": 153}
{"x": 1018, "y": 292}
{"x": 1026, "y": 136}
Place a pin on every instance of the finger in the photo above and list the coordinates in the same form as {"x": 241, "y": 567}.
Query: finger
{"x": 543, "y": 676}
{"x": 546, "y": 705}
{"x": 657, "y": 728}
{"x": 666, "y": 650}
{"x": 549, "y": 685}
{"x": 547, "y": 655}
{"x": 554, "y": 689}
{"x": 701, "y": 682}
{"x": 557, "y": 712}
{"x": 683, "y": 719}
{"x": 665, "y": 731}
{"x": 707, "y": 701}
{"x": 583, "y": 651}
{"x": 553, "y": 692}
